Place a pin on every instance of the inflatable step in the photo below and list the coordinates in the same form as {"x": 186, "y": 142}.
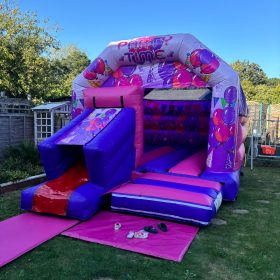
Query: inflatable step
{"x": 193, "y": 165}
{"x": 164, "y": 162}
{"x": 182, "y": 200}
{"x": 175, "y": 178}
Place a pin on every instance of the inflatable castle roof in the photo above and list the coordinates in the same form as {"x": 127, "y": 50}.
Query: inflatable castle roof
{"x": 166, "y": 61}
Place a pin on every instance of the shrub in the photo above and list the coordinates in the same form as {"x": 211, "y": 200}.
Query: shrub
{"x": 20, "y": 162}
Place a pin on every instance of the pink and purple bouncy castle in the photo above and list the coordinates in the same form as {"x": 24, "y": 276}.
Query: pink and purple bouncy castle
{"x": 169, "y": 157}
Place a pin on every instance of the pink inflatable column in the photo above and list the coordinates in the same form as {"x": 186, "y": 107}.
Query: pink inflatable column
{"x": 131, "y": 97}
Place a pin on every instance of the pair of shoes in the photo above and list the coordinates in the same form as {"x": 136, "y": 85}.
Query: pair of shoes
{"x": 161, "y": 226}
{"x": 150, "y": 229}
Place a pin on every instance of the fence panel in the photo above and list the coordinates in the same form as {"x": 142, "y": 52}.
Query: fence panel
{"x": 14, "y": 128}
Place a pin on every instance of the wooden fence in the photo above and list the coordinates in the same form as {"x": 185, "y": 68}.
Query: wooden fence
{"x": 16, "y": 122}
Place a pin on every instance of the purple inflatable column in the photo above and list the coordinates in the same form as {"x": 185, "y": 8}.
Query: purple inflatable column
{"x": 223, "y": 128}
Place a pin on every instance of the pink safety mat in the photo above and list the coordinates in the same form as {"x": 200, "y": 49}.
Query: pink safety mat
{"x": 170, "y": 245}
{"x": 24, "y": 232}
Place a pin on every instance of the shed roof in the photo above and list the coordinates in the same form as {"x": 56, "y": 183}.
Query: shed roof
{"x": 50, "y": 106}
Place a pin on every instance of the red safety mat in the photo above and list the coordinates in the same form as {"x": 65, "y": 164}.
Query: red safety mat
{"x": 53, "y": 196}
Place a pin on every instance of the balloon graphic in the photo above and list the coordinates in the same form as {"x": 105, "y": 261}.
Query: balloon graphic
{"x": 128, "y": 70}
{"x": 182, "y": 78}
{"x": 218, "y": 117}
{"x": 136, "y": 80}
{"x": 210, "y": 68}
{"x": 228, "y": 115}
{"x": 97, "y": 66}
{"x": 89, "y": 75}
{"x": 118, "y": 73}
{"x": 213, "y": 140}
{"x": 232, "y": 130}
{"x": 209, "y": 61}
{"x": 179, "y": 66}
{"x": 165, "y": 69}
{"x": 198, "y": 82}
{"x": 195, "y": 58}
{"x": 111, "y": 112}
{"x": 122, "y": 81}
{"x": 110, "y": 82}
{"x": 157, "y": 43}
{"x": 221, "y": 133}
{"x": 77, "y": 112}
{"x": 230, "y": 94}
{"x": 206, "y": 57}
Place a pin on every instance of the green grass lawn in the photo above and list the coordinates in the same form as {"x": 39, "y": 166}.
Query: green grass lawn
{"x": 247, "y": 247}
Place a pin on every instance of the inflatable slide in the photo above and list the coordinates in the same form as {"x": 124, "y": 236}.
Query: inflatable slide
{"x": 158, "y": 129}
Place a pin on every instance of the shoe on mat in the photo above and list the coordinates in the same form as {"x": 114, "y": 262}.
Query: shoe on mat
{"x": 150, "y": 229}
{"x": 163, "y": 227}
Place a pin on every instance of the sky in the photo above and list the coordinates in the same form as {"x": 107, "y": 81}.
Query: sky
{"x": 239, "y": 29}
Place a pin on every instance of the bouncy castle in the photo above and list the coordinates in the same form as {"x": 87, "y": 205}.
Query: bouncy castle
{"x": 158, "y": 129}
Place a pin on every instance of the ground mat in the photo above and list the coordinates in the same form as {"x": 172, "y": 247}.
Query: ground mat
{"x": 170, "y": 245}
{"x": 24, "y": 232}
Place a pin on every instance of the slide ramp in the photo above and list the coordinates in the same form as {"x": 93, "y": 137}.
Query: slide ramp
{"x": 94, "y": 153}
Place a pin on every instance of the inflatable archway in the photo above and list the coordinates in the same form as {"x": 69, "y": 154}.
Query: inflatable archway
{"x": 176, "y": 61}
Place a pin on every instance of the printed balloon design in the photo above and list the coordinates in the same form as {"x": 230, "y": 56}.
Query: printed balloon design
{"x": 97, "y": 66}
{"x": 195, "y": 58}
{"x": 179, "y": 66}
{"x": 198, "y": 82}
{"x": 77, "y": 111}
{"x": 124, "y": 77}
{"x": 111, "y": 111}
{"x": 232, "y": 130}
{"x": 182, "y": 78}
{"x": 210, "y": 68}
{"x": 89, "y": 75}
{"x": 122, "y": 81}
{"x": 213, "y": 142}
{"x": 118, "y": 74}
{"x": 136, "y": 80}
{"x": 204, "y": 59}
{"x": 221, "y": 133}
{"x": 230, "y": 94}
{"x": 157, "y": 43}
{"x": 218, "y": 117}
{"x": 228, "y": 115}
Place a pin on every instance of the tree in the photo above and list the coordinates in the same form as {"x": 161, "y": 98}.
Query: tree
{"x": 31, "y": 62}
{"x": 261, "y": 93}
{"x": 250, "y": 71}
{"x": 67, "y": 63}
{"x": 274, "y": 82}
{"x": 24, "y": 47}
